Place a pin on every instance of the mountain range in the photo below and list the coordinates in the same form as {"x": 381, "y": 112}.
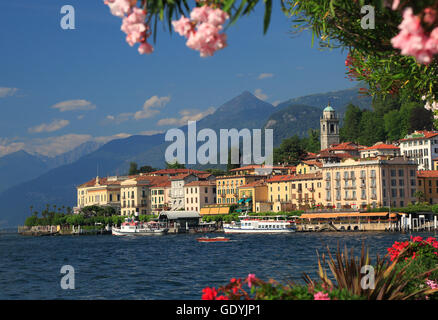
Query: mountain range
{"x": 52, "y": 181}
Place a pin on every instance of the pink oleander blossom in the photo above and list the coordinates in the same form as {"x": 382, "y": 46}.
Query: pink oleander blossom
{"x": 412, "y": 39}
{"x": 183, "y": 26}
{"x": 321, "y": 296}
{"x": 202, "y": 30}
{"x": 134, "y": 26}
{"x": 118, "y": 7}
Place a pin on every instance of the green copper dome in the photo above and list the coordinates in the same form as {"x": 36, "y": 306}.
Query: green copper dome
{"x": 328, "y": 108}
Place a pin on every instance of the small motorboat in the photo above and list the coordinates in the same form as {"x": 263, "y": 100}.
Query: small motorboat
{"x": 216, "y": 239}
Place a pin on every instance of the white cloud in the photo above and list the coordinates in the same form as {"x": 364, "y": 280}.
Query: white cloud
{"x": 150, "y": 107}
{"x": 122, "y": 117}
{"x": 7, "y": 92}
{"x": 106, "y": 139}
{"x": 73, "y": 105}
{"x": 265, "y": 75}
{"x": 186, "y": 115}
{"x": 53, "y": 146}
{"x": 49, "y": 127}
{"x": 151, "y": 132}
{"x": 9, "y": 146}
{"x": 259, "y": 94}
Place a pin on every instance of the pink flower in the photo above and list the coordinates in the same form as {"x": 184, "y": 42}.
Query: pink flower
{"x": 251, "y": 277}
{"x": 183, "y": 26}
{"x": 202, "y": 31}
{"x": 412, "y": 39}
{"x": 145, "y": 48}
{"x": 217, "y": 17}
{"x": 118, "y": 7}
{"x": 432, "y": 284}
{"x": 134, "y": 26}
{"x": 200, "y": 14}
{"x": 429, "y": 15}
{"x": 321, "y": 296}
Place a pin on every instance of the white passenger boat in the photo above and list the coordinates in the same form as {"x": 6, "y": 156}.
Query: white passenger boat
{"x": 260, "y": 224}
{"x": 135, "y": 228}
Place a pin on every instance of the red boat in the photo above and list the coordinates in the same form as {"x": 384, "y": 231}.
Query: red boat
{"x": 217, "y": 239}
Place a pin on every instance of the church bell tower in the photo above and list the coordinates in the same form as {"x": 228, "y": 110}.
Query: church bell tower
{"x": 329, "y": 127}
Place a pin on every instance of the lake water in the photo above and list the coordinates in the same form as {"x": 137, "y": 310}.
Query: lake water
{"x": 162, "y": 267}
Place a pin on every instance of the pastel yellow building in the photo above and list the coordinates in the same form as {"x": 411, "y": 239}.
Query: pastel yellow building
{"x": 360, "y": 183}
{"x": 295, "y": 192}
{"x": 160, "y": 197}
{"x": 227, "y": 187}
{"x": 252, "y": 193}
{"x": 308, "y": 166}
{"x": 100, "y": 192}
{"x": 199, "y": 194}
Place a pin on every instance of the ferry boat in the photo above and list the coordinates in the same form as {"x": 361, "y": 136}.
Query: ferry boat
{"x": 135, "y": 228}
{"x": 260, "y": 224}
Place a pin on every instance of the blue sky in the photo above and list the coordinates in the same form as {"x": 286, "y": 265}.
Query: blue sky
{"x": 46, "y": 72}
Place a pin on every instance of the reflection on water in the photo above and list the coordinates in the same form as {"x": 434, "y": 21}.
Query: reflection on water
{"x": 163, "y": 267}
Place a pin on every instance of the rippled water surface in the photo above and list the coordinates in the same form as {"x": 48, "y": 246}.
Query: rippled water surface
{"x": 161, "y": 267}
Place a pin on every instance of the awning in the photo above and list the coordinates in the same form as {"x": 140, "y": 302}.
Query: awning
{"x": 241, "y": 200}
{"x": 342, "y": 215}
{"x": 248, "y": 200}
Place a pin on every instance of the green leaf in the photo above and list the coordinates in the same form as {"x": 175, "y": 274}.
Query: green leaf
{"x": 267, "y": 18}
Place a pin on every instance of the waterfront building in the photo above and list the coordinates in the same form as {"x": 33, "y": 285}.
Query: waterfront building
{"x": 428, "y": 185}
{"x": 227, "y": 187}
{"x": 252, "y": 193}
{"x": 380, "y": 149}
{"x": 357, "y": 183}
{"x": 177, "y": 196}
{"x": 329, "y": 123}
{"x": 160, "y": 197}
{"x": 295, "y": 192}
{"x": 100, "y": 192}
{"x": 136, "y": 194}
{"x": 198, "y": 194}
{"x": 422, "y": 147}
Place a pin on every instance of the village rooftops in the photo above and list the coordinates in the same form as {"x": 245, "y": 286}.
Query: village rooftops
{"x": 284, "y": 178}
{"x": 173, "y": 172}
{"x": 381, "y": 146}
{"x": 201, "y": 183}
{"x": 427, "y": 174}
{"x": 418, "y": 135}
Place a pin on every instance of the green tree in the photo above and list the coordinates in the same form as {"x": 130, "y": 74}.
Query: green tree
{"x": 133, "y": 168}
{"x": 290, "y": 151}
{"x": 351, "y": 130}
{"x": 175, "y": 165}
{"x": 312, "y": 141}
{"x": 393, "y": 125}
{"x": 372, "y": 128}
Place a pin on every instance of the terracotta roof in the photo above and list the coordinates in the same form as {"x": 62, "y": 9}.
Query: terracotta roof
{"x": 427, "y": 174}
{"x": 313, "y": 163}
{"x": 176, "y": 171}
{"x": 420, "y": 135}
{"x": 200, "y": 183}
{"x": 382, "y": 146}
{"x": 165, "y": 184}
{"x": 290, "y": 177}
{"x": 344, "y": 146}
{"x": 257, "y": 166}
{"x": 254, "y": 184}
